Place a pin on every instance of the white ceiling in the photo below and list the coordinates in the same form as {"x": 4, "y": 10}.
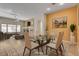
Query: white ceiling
{"x": 30, "y": 10}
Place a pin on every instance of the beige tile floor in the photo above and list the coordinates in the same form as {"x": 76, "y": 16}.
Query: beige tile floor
{"x": 12, "y": 47}
{"x": 71, "y": 49}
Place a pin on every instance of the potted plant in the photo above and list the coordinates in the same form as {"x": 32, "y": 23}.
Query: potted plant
{"x": 72, "y": 36}
{"x": 72, "y": 27}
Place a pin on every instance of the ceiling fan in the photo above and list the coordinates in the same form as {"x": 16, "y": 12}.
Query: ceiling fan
{"x": 55, "y": 4}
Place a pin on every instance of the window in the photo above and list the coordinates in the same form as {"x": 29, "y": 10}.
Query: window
{"x": 18, "y": 28}
{"x": 4, "y": 28}
{"x": 11, "y": 28}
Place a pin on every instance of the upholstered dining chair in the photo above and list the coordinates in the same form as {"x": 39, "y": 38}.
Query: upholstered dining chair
{"x": 29, "y": 44}
{"x": 56, "y": 46}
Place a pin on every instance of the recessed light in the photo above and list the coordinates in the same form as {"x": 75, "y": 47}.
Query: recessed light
{"x": 61, "y": 3}
{"x": 48, "y": 9}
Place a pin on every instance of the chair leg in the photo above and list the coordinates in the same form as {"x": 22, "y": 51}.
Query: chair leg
{"x": 50, "y": 49}
{"x": 24, "y": 51}
{"x": 46, "y": 49}
{"x": 62, "y": 46}
{"x": 30, "y": 52}
{"x": 42, "y": 50}
{"x": 61, "y": 50}
{"x": 57, "y": 51}
{"x": 38, "y": 50}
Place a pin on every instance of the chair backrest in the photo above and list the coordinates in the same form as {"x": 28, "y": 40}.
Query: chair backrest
{"x": 55, "y": 37}
{"x": 27, "y": 40}
{"x": 59, "y": 39}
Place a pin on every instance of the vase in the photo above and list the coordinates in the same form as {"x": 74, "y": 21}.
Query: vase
{"x": 72, "y": 38}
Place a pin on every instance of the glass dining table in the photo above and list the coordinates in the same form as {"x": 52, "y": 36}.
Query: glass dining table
{"x": 42, "y": 40}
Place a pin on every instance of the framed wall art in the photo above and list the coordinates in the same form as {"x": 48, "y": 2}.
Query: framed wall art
{"x": 60, "y": 22}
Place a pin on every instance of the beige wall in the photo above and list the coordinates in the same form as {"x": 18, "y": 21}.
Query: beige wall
{"x": 78, "y": 24}
{"x": 71, "y": 14}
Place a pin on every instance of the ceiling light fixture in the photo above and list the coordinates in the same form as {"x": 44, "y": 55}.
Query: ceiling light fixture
{"x": 61, "y": 3}
{"x": 48, "y": 9}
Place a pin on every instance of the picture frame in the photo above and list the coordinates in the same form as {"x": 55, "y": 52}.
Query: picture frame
{"x": 60, "y": 22}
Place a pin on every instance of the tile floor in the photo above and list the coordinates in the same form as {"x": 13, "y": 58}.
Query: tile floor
{"x": 12, "y": 47}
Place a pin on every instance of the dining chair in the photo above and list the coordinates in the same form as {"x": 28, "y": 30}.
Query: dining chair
{"x": 54, "y": 38}
{"x": 53, "y": 35}
{"x": 58, "y": 44}
{"x": 30, "y": 45}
